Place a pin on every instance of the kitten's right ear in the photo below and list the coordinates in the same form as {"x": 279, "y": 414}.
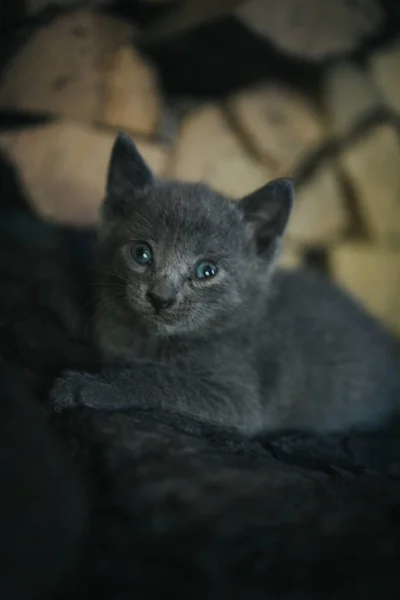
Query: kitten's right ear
{"x": 128, "y": 173}
{"x": 267, "y": 210}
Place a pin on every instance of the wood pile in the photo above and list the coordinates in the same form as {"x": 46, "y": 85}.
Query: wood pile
{"x": 343, "y": 148}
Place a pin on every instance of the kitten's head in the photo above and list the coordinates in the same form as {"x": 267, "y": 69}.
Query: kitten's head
{"x": 179, "y": 257}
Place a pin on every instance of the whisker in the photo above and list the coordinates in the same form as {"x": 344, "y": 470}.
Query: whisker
{"x": 117, "y": 275}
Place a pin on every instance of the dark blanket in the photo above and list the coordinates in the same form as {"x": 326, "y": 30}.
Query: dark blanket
{"x": 154, "y": 503}
{"x": 200, "y": 513}
{"x": 43, "y": 507}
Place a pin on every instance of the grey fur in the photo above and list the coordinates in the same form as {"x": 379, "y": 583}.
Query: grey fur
{"x": 252, "y": 348}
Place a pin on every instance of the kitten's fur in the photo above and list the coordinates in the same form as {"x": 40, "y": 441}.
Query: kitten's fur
{"x": 247, "y": 348}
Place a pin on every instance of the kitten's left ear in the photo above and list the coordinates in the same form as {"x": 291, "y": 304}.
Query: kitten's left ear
{"x": 268, "y": 209}
{"x": 128, "y": 173}
{"x": 127, "y": 166}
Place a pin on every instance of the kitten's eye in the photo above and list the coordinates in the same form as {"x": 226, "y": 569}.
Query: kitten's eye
{"x": 142, "y": 253}
{"x": 205, "y": 270}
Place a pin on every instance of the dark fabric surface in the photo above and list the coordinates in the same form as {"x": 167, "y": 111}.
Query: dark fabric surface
{"x": 175, "y": 507}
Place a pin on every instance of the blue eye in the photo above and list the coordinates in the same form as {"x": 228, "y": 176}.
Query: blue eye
{"x": 205, "y": 270}
{"x": 142, "y": 253}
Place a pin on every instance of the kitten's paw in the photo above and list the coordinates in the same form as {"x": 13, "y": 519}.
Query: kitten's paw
{"x": 84, "y": 389}
{"x": 68, "y": 390}
{"x": 100, "y": 395}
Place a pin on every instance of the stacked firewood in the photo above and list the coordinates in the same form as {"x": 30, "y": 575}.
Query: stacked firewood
{"x": 342, "y": 147}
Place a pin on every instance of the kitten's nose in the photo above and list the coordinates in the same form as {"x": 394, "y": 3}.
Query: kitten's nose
{"x": 161, "y": 297}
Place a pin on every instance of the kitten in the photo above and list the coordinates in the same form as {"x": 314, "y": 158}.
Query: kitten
{"x": 195, "y": 320}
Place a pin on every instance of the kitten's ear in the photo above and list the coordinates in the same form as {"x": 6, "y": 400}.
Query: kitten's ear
{"x": 268, "y": 210}
{"x": 128, "y": 173}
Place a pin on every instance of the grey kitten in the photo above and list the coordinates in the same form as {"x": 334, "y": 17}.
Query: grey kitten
{"x": 188, "y": 300}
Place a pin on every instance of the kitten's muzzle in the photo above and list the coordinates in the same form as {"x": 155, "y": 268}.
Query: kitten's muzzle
{"x": 161, "y": 296}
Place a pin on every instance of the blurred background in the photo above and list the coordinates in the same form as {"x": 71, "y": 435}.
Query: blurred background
{"x": 230, "y": 92}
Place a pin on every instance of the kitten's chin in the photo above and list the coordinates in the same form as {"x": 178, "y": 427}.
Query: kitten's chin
{"x": 166, "y": 325}
{"x": 182, "y": 322}
{"x": 163, "y": 326}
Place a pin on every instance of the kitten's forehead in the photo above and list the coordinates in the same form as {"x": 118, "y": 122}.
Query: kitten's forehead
{"x": 186, "y": 213}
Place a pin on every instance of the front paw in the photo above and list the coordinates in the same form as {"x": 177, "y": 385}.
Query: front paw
{"x": 68, "y": 390}
{"x": 84, "y": 389}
